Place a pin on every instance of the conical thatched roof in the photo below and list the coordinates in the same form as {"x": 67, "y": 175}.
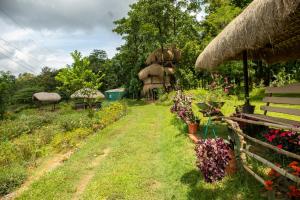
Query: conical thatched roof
{"x": 169, "y": 54}
{"x": 266, "y": 29}
{"x": 46, "y": 97}
{"x": 155, "y": 70}
{"x": 87, "y": 93}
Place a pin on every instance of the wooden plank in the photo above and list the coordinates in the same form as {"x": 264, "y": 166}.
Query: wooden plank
{"x": 273, "y": 166}
{"x": 290, "y": 89}
{"x": 282, "y": 100}
{"x": 275, "y": 120}
{"x": 267, "y": 145}
{"x": 290, "y": 111}
{"x": 292, "y": 128}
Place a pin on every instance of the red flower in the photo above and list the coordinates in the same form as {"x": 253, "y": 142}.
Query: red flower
{"x": 296, "y": 168}
{"x": 279, "y": 146}
{"x": 294, "y": 163}
{"x": 294, "y": 191}
{"x": 272, "y": 172}
{"x": 268, "y": 185}
{"x": 276, "y": 131}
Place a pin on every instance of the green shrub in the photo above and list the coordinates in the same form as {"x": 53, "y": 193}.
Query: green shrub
{"x": 11, "y": 178}
{"x": 70, "y": 139}
{"x": 24, "y": 124}
{"x": 8, "y": 154}
{"x": 109, "y": 114}
{"x": 74, "y": 121}
{"x": 28, "y": 147}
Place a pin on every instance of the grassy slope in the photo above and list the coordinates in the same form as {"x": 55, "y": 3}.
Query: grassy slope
{"x": 150, "y": 158}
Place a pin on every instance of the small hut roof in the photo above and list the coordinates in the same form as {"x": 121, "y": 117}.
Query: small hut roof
{"x": 152, "y": 70}
{"x": 267, "y": 29}
{"x": 116, "y": 90}
{"x": 155, "y": 70}
{"x": 169, "y": 54}
{"x": 87, "y": 93}
{"x": 46, "y": 97}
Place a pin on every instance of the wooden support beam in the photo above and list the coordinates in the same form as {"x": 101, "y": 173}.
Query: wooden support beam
{"x": 288, "y": 127}
{"x": 269, "y": 164}
{"x": 281, "y": 151}
{"x": 246, "y": 77}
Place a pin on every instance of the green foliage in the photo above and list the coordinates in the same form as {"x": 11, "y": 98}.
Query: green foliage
{"x": 24, "y": 124}
{"x": 70, "y": 139}
{"x": 11, "y": 178}
{"x": 78, "y": 76}
{"x": 8, "y": 154}
{"x": 74, "y": 121}
{"x": 7, "y": 81}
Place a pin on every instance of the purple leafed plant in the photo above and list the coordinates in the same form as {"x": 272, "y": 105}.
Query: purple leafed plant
{"x": 212, "y": 158}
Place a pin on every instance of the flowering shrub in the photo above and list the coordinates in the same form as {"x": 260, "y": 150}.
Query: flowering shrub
{"x": 287, "y": 140}
{"x": 183, "y": 107}
{"x": 282, "y": 184}
{"x": 212, "y": 158}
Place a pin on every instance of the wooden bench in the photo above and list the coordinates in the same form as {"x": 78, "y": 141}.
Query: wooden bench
{"x": 276, "y": 95}
{"x": 246, "y": 146}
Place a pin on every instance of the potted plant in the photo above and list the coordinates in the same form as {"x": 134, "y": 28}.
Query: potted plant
{"x": 193, "y": 123}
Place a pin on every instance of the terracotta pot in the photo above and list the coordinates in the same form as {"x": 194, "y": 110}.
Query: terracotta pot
{"x": 193, "y": 127}
{"x": 231, "y": 167}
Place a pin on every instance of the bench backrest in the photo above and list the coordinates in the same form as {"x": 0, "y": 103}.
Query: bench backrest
{"x": 285, "y": 90}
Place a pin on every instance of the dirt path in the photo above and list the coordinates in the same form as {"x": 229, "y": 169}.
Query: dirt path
{"x": 46, "y": 166}
{"x": 91, "y": 172}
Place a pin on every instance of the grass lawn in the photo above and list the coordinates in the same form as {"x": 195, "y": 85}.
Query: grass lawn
{"x": 145, "y": 155}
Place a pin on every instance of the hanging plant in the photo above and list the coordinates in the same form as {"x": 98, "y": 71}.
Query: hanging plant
{"x": 212, "y": 158}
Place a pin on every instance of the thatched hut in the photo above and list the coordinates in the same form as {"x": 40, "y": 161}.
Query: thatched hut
{"x": 87, "y": 97}
{"x": 87, "y": 93}
{"x": 46, "y": 98}
{"x": 267, "y": 30}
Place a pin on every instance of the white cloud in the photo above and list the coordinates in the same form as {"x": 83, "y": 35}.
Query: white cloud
{"x": 45, "y": 32}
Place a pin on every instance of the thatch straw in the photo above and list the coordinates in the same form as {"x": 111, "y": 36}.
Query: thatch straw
{"x": 152, "y": 70}
{"x": 156, "y": 80}
{"x": 148, "y": 87}
{"x": 46, "y": 97}
{"x": 169, "y": 54}
{"x": 116, "y": 90}
{"x": 87, "y": 93}
{"x": 267, "y": 29}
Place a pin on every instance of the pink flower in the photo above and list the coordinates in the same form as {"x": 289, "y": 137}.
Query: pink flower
{"x": 279, "y": 146}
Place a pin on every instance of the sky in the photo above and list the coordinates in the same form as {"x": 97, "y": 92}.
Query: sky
{"x": 38, "y": 33}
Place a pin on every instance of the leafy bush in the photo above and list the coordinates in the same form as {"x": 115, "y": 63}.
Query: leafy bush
{"x": 212, "y": 158}
{"x": 74, "y": 121}
{"x": 109, "y": 114}
{"x": 8, "y": 154}
{"x": 28, "y": 147}
{"x": 24, "y": 124}
{"x": 11, "y": 178}
{"x": 70, "y": 139}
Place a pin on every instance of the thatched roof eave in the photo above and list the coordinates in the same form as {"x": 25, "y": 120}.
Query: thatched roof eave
{"x": 268, "y": 30}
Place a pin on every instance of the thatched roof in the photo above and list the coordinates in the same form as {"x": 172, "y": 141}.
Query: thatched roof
{"x": 169, "y": 54}
{"x": 155, "y": 80}
{"x": 155, "y": 70}
{"x": 87, "y": 93}
{"x": 116, "y": 90}
{"x": 267, "y": 29}
{"x": 148, "y": 87}
{"x": 46, "y": 97}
